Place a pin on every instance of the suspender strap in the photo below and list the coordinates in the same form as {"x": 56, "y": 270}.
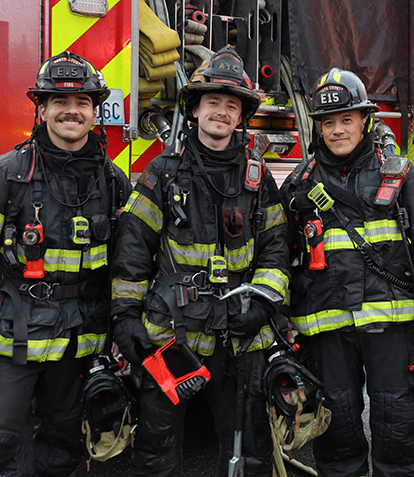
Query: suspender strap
{"x": 20, "y": 325}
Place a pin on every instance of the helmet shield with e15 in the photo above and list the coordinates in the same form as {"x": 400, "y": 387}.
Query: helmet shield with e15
{"x": 223, "y": 73}
{"x": 338, "y": 91}
{"x": 69, "y": 73}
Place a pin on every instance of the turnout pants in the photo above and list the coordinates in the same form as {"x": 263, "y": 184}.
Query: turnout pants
{"x": 53, "y": 390}
{"x": 158, "y": 445}
{"x": 345, "y": 361}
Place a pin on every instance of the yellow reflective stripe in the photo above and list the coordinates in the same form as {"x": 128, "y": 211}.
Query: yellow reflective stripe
{"x": 67, "y": 27}
{"x": 373, "y": 232}
{"x": 382, "y": 230}
{"x": 1, "y": 222}
{"x": 198, "y": 342}
{"x": 37, "y": 350}
{"x": 275, "y": 216}
{"x": 58, "y": 260}
{"x": 265, "y": 338}
{"x": 240, "y": 258}
{"x": 273, "y": 278}
{"x": 146, "y": 210}
{"x": 395, "y": 311}
{"x": 125, "y": 289}
{"x": 196, "y": 254}
{"x": 62, "y": 260}
{"x": 95, "y": 257}
{"x": 90, "y": 343}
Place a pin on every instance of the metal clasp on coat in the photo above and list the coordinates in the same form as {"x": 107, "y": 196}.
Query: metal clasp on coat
{"x": 46, "y": 290}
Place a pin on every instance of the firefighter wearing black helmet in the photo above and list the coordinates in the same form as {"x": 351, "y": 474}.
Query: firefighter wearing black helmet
{"x": 204, "y": 218}
{"x": 351, "y": 218}
{"x": 58, "y": 194}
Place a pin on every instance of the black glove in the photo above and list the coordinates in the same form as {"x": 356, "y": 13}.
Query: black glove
{"x": 131, "y": 336}
{"x": 248, "y": 325}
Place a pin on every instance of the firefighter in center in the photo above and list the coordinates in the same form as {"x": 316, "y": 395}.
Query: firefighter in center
{"x": 204, "y": 219}
{"x": 351, "y": 217}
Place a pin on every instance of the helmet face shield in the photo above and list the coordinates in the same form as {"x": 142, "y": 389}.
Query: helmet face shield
{"x": 69, "y": 73}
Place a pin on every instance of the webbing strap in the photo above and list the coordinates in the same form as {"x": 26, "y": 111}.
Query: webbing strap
{"x": 19, "y": 324}
{"x": 366, "y": 248}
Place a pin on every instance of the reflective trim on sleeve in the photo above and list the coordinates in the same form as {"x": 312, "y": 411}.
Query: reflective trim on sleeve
{"x": 146, "y": 210}
{"x": 122, "y": 289}
{"x": 1, "y": 222}
{"x": 199, "y": 342}
{"x": 90, "y": 343}
{"x": 275, "y": 216}
{"x": 262, "y": 340}
{"x": 274, "y": 279}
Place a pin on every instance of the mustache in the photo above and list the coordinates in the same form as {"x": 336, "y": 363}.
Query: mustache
{"x": 71, "y": 117}
{"x": 214, "y": 117}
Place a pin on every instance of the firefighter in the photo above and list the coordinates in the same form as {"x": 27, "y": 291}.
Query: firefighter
{"x": 351, "y": 218}
{"x": 59, "y": 193}
{"x": 203, "y": 220}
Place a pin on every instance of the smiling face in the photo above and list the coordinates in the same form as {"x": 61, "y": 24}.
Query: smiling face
{"x": 342, "y": 132}
{"x": 218, "y": 116}
{"x": 69, "y": 118}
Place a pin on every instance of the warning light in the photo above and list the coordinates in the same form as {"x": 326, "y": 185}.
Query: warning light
{"x": 89, "y": 8}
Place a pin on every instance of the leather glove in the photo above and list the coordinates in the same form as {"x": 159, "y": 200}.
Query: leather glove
{"x": 248, "y": 325}
{"x": 131, "y": 336}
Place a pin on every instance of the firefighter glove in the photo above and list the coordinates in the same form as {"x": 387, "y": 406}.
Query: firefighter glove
{"x": 131, "y": 336}
{"x": 248, "y": 325}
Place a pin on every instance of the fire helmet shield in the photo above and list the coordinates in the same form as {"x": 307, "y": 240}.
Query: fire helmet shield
{"x": 222, "y": 73}
{"x": 339, "y": 91}
{"x": 69, "y": 73}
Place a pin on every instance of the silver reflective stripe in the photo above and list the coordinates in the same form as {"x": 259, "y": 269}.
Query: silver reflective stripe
{"x": 372, "y": 312}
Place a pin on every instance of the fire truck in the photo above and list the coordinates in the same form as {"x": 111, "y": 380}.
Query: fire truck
{"x": 285, "y": 44}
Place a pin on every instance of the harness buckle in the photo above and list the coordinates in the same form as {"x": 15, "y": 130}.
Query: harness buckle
{"x": 203, "y": 274}
{"x": 45, "y": 289}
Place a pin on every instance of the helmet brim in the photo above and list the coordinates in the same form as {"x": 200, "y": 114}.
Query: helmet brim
{"x": 35, "y": 95}
{"x": 248, "y": 97}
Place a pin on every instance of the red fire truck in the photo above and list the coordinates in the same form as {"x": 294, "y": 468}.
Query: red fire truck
{"x": 286, "y": 45}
